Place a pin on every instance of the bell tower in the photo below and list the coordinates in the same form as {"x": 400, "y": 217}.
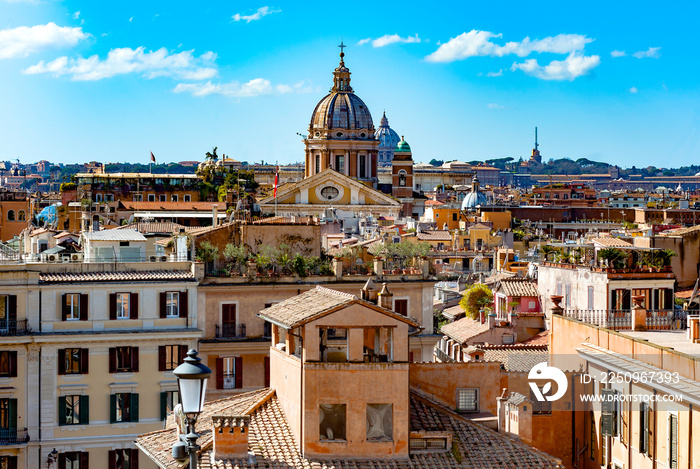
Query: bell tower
{"x": 402, "y": 177}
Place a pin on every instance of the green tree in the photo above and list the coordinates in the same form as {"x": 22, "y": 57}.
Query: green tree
{"x": 476, "y": 298}
{"x": 207, "y": 252}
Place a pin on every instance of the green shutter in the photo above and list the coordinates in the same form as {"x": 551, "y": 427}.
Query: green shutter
{"x": 163, "y": 405}
{"x": 134, "y": 407}
{"x": 62, "y": 410}
{"x": 112, "y": 408}
{"x": 84, "y": 410}
{"x": 13, "y": 414}
{"x": 607, "y": 420}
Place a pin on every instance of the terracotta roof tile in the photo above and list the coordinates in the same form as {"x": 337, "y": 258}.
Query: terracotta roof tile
{"x": 518, "y": 287}
{"x": 515, "y": 358}
{"x": 611, "y": 242}
{"x": 464, "y": 329}
{"x": 540, "y": 339}
{"x": 435, "y": 235}
{"x": 146, "y": 275}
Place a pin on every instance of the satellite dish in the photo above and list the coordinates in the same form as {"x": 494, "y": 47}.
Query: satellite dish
{"x": 131, "y": 219}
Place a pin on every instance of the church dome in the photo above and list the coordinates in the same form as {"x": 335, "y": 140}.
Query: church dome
{"x": 388, "y": 139}
{"x": 475, "y": 197}
{"x": 341, "y": 113}
{"x": 402, "y": 146}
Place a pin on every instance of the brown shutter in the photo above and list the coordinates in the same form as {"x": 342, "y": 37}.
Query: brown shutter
{"x": 84, "y": 363}
{"x": 183, "y": 354}
{"x": 13, "y": 364}
{"x": 625, "y": 424}
{"x": 62, "y": 361}
{"x": 62, "y": 461}
{"x": 84, "y": 460}
{"x": 161, "y": 358}
{"x": 112, "y": 360}
{"x": 134, "y": 359}
{"x": 134, "y": 460}
{"x": 134, "y": 305}
{"x": 652, "y": 433}
{"x": 183, "y": 304}
{"x": 267, "y": 372}
{"x": 12, "y": 313}
{"x": 83, "y": 307}
{"x": 238, "y": 367}
{"x": 163, "y": 312}
{"x": 112, "y": 306}
{"x": 112, "y": 459}
{"x": 64, "y": 308}
{"x": 219, "y": 373}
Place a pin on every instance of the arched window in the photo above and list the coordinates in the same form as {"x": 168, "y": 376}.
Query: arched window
{"x": 402, "y": 178}
{"x": 21, "y": 216}
{"x": 10, "y": 215}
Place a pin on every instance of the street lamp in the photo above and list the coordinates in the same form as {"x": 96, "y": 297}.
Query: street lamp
{"x": 52, "y": 457}
{"x": 192, "y": 378}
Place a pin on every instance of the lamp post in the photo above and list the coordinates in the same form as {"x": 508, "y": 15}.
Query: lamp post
{"x": 192, "y": 378}
{"x": 52, "y": 458}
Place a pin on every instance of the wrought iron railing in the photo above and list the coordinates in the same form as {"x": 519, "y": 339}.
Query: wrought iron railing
{"x": 230, "y": 331}
{"x": 13, "y": 328}
{"x": 13, "y": 436}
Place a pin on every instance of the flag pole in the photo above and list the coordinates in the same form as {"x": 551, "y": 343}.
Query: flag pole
{"x": 277, "y": 169}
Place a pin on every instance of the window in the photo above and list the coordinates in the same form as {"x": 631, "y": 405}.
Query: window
{"x": 673, "y": 441}
{"x": 331, "y": 421}
{"x": 467, "y": 400}
{"x": 454, "y": 217}
{"x": 428, "y": 443}
{"x": 8, "y": 462}
{"x": 137, "y": 198}
{"x": 173, "y": 304}
{"x": 8, "y": 313}
{"x": 594, "y": 439}
{"x": 168, "y": 401}
{"x": 98, "y": 197}
{"x": 644, "y": 410}
{"x": 329, "y": 192}
{"x": 174, "y": 198}
{"x": 318, "y": 163}
{"x": 161, "y": 198}
{"x": 170, "y": 356}
{"x": 567, "y": 297}
{"x": 10, "y": 215}
{"x": 124, "y": 459}
{"x": 229, "y": 373}
{"x": 109, "y": 197}
{"x": 151, "y": 197}
{"x": 124, "y": 407}
{"x": 74, "y": 307}
{"x": 123, "y": 359}
{"x": 73, "y": 410}
{"x": 8, "y": 416}
{"x": 73, "y": 460}
{"x": 123, "y": 305}
{"x": 559, "y": 288}
{"x": 333, "y": 345}
{"x": 21, "y": 215}
{"x": 401, "y": 307}
{"x": 72, "y": 361}
{"x": 363, "y": 166}
{"x": 402, "y": 178}
{"x": 187, "y": 198}
{"x": 340, "y": 163}
{"x": 8, "y": 364}
{"x": 379, "y": 422}
{"x": 590, "y": 298}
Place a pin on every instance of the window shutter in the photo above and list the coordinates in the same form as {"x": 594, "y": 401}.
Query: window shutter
{"x": 64, "y": 308}
{"x": 12, "y": 462}
{"x": 183, "y": 353}
{"x": 12, "y": 313}
{"x": 673, "y": 442}
{"x": 112, "y": 306}
{"x": 161, "y": 358}
{"x": 134, "y": 305}
{"x": 238, "y": 367}
{"x": 134, "y": 359}
{"x": 62, "y": 410}
{"x": 112, "y": 360}
{"x": 84, "y": 361}
{"x": 134, "y": 410}
{"x": 13, "y": 414}
{"x": 83, "y": 307}
{"x": 62, "y": 361}
{"x": 183, "y": 304}
{"x": 62, "y": 461}
{"x": 625, "y": 423}
{"x": 267, "y": 372}
{"x": 84, "y": 460}
{"x": 163, "y": 405}
{"x": 163, "y": 312}
{"x": 112, "y": 459}
{"x": 134, "y": 461}
{"x": 13, "y": 364}
{"x": 607, "y": 419}
{"x": 84, "y": 410}
{"x": 652, "y": 433}
{"x": 112, "y": 408}
{"x": 219, "y": 373}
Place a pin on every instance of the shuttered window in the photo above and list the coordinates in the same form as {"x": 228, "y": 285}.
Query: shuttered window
{"x": 123, "y": 359}
{"x": 607, "y": 419}
{"x": 673, "y": 441}
{"x": 74, "y": 460}
{"x": 124, "y": 407}
{"x": 8, "y": 364}
{"x": 124, "y": 459}
{"x": 229, "y": 373}
{"x": 73, "y": 410}
{"x": 644, "y": 428}
{"x": 401, "y": 307}
{"x": 168, "y": 401}
{"x": 170, "y": 356}
{"x": 73, "y": 361}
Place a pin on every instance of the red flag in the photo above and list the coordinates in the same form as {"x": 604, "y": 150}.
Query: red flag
{"x": 153, "y": 158}
{"x": 277, "y": 174}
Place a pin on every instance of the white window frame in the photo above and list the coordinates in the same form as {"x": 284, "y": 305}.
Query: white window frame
{"x": 151, "y": 197}
{"x": 174, "y": 198}
{"x": 476, "y": 401}
{"x": 73, "y": 307}
{"x": 187, "y": 198}
{"x": 123, "y": 305}
{"x": 229, "y": 368}
{"x": 172, "y": 304}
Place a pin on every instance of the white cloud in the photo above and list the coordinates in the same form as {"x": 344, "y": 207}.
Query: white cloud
{"x": 394, "y": 39}
{"x": 634, "y": 90}
{"x": 495, "y": 74}
{"x": 22, "y": 41}
{"x": 234, "y": 89}
{"x": 617, "y": 53}
{"x": 652, "y": 53}
{"x": 76, "y": 15}
{"x": 364, "y": 41}
{"x": 495, "y": 106}
{"x": 131, "y": 19}
{"x": 574, "y": 66}
{"x": 262, "y": 11}
{"x": 478, "y": 43}
{"x": 183, "y": 65}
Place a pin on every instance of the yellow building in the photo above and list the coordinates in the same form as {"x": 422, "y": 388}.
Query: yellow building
{"x": 499, "y": 220}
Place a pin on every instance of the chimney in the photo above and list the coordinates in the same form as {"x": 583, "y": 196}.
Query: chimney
{"x": 492, "y": 320}
{"x": 230, "y": 437}
{"x": 214, "y": 215}
{"x": 385, "y": 298}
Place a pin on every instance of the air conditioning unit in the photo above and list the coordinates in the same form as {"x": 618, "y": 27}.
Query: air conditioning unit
{"x": 76, "y": 257}
{"x": 438, "y": 261}
{"x": 163, "y": 258}
{"x": 152, "y": 258}
{"x": 52, "y": 258}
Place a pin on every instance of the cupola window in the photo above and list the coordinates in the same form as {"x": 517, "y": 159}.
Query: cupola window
{"x": 329, "y": 192}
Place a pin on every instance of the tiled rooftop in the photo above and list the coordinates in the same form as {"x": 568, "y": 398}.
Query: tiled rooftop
{"x": 155, "y": 227}
{"x": 464, "y": 329}
{"x": 518, "y": 287}
{"x": 146, "y": 275}
{"x": 272, "y": 442}
{"x": 435, "y": 235}
{"x": 516, "y": 357}
{"x": 114, "y": 235}
{"x": 611, "y": 242}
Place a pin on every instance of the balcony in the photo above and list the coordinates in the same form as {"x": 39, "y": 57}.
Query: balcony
{"x": 230, "y": 331}
{"x": 442, "y": 356}
{"x": 13, "y": 436}
{"x": 620, "y": 320}
{"x": 14, "y": 328}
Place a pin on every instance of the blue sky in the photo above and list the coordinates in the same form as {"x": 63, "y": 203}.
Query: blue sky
{"x": 612, "y": 81}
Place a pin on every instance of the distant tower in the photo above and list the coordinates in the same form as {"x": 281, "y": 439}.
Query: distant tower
{"x": 402, "y": 177}
{"x": 535, "y": 151}
{"x": 388, "y": 139}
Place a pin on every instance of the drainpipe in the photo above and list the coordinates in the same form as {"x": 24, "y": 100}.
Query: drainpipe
{"x": 301, "y": 392}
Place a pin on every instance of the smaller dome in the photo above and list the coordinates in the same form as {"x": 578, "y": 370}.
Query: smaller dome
{"x": 473, "y": 200}
{"x": 402, "y": 145}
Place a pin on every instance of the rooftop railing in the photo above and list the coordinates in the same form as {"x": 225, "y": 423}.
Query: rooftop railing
{"x": 230, "y": 331}
{"x": 620, "y": 320}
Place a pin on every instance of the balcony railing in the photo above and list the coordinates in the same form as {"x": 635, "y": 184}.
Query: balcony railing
{"x": 14, "y": 328}
{"x": 442, "y": 356}
{"x": 13, "y": 436}
{"x": 622, "y": 319}
{"x": 230, "y": 331}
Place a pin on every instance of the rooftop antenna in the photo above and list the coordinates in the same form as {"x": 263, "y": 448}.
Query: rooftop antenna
{"x": 536, "y": 144}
